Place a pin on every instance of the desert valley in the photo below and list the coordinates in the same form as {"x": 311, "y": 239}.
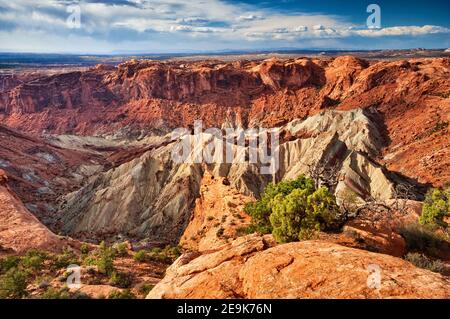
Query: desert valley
{"x": 87, "y": 179}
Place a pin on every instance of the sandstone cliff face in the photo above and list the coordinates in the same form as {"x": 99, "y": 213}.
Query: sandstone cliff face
{"x": 151, "y": 196}
{"x": 410, "y": 97}
{"x": 40, "y": 172}
{"x": 217, "y": 216}
{"x": 20, "y": 231}
{"x": 251, "y": 267}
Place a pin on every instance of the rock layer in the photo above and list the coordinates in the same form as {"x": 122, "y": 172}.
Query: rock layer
{"x": 151, "y": 196}
{"x": 250, "y": 268}
{"x": 20, "y": 231}
{"x": 411, "y": 96}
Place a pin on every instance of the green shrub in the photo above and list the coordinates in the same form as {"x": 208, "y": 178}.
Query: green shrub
{"x": 80, "y": 295}
{"x": 8, "y": 262}
{"x": 121, "y": 249}
{"x": 167, "y": 255}
{"x": 64, "y": 259}
{"x": 84, "y": 249}
{"x": 125, "y": 294}
{"x": 293, "y": 210}
{"x": 420, "y": 238}
{"x": 436, "y": 207}
{"x": 13, "y": 284}
{"x": 156, "y": 250}
{"x": 140, "y": 256}
{"x": 34, "y": 260}
{"x": 103, "y": 258}
{"x": 52, "y": 293}
{"x": 422, "y": 261}
{"x": 64, "y": 293}
{"x": 301, "y": 213}
{"x": 120, "y": 279}
{"x": 261, "y": 210}
{"x": 159, "y": 258}
{"x": 144, "y": 289}
{"x": 105, "y": 262}
{"x": 102, "y": 245}
{"x": 243, "y": 230}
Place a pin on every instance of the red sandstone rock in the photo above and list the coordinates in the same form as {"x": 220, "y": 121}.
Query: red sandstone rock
{"x": 250, "y": 268}
{"x": 411, "y": 96}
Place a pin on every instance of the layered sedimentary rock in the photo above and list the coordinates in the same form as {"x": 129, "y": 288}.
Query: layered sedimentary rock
{"x": 411, "y": 97}
{"x": 149, "y": 196}
{"x": 251, "y": 267}
{"x": 152, "y": 196}
{"x": 20, "y": 231}
{"x": 40, "y": 172}
{"x": 362, "y": 119}
{"x": 218, "y": 215}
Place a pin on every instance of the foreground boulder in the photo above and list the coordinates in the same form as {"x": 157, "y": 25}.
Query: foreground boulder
{"x": 254, "y": 267}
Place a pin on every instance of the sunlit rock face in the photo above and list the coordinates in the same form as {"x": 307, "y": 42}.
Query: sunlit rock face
{"x": 251, "y": 267}
{"x": 408, "y": 100}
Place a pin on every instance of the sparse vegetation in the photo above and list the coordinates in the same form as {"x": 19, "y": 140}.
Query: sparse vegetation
{"x": 439, "y": 126}
{"x": 103, "y": 259}
{"x": 13, "y": 283}
{"x": 8, "y": 262}
{"x": 52, "y": 293}
{"x": 84, "y": 249}
{"x": 166, "y": 255}
{"x": 125, "y": 294}
{"x": 444, "y": 95}
{"x": 436, "y": 207}
{"x": 220, "y": 232}
{"x": 43, "y": 275}
{"x": 332, "y": 102}
{"x": 140, "y": 256}
{"x": 34, "y": 260}
{"x": 121, "y": 249}
{"x": 349, "y": 202}
{"x": 294, "y": 210}
{"x": 420, "y": 238}
{"x": 144, "y": 289}
{"x": 120, "y": 279}
{"x": 422, "y": 261}
{"x": 63, "y": 260}
{"x": 241, "y": 231}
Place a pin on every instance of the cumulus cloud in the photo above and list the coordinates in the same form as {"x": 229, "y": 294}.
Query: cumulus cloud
{"x": 118, "y": 21}
{"x": 403, "y": 30}
{"x": 250, "y": 17}
{"x": 318, "y": 27}
{"x": 301, "y": 28}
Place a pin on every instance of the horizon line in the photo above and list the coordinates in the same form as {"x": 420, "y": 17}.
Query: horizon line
{"x": 218, "y": 52}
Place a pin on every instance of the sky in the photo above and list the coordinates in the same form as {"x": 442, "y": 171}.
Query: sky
{"x": 184, "y": 26}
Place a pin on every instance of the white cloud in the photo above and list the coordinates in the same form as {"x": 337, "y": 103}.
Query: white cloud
{"x": 301, "y": 28}
{"x": 402, "y": 31}
{"x": 250, "y": 17}
{"x": 118, "y": 21}
{"x": 318, "y": 27}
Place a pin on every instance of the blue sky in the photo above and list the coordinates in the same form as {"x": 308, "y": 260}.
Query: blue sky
{"x": 161, "y": 26}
